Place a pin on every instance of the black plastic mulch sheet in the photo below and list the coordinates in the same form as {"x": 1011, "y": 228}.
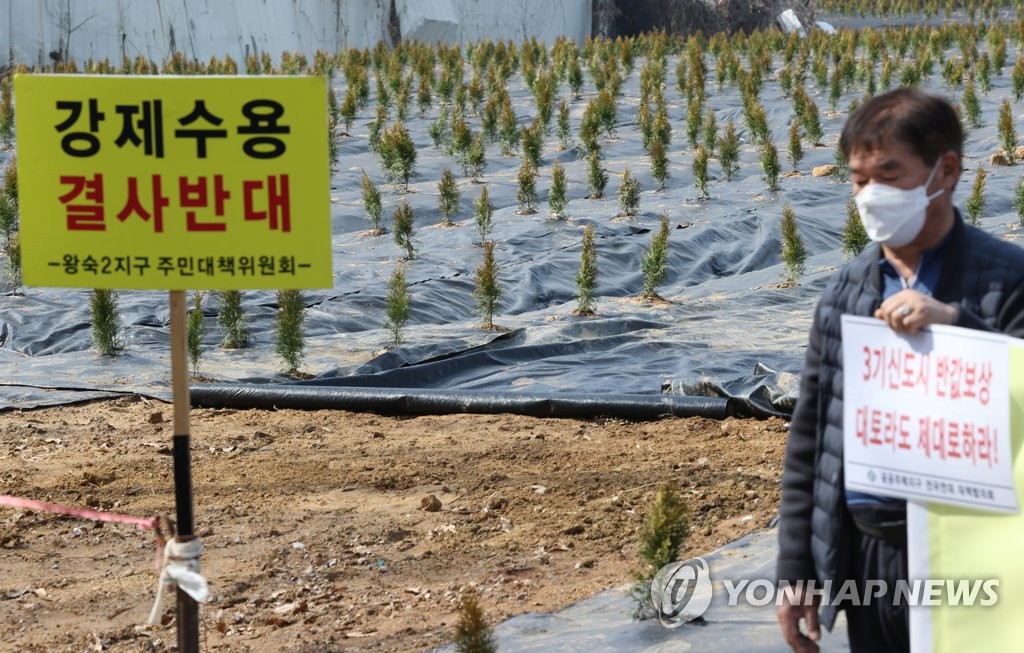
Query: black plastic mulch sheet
{"x": 726, "y": 313}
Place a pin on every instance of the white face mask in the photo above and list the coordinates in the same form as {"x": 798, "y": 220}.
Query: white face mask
{"x": 894, "y": 216}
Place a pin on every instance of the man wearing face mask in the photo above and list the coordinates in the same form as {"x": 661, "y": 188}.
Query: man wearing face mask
{"x": 904, "y": 150}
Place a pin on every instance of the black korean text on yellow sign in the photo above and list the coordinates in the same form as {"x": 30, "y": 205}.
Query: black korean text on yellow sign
{"x": 173, "y": 182}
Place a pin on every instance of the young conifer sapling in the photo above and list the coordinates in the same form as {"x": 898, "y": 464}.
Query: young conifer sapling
{"x": 661, "y": 129}
{"x": 1007, "y": 131}
{"x": 6, "y": 111}
{"x": 597, "y": 178}
{"x": 664, "y": 531}
{"x": 372, "y": 204}
{"x": 855, "y": 237}
{"x": 729, "y": 151}
{"x": 811, "y": 121}
{"x": 10, "y": 182}
{"x": 448, "y": 197}
{"x": 438, "y": 130}
{"x": 194, "y": 332}
{"x": 8, "y": 218}
{"x": 700, "y": 172}
{"x": 586, "y": 276}
{"x": 654, "y": 264}
{"x": 659, "y": 163}
{"x": 796, "y": 150}
{"x": 289, "y": 342}
{"x": 333, "y": 119}
{"x": 404, "y": 230}
{"x": 532, "y": 141}
{"x": 794, "y": 254}
{"x": 398, "y": 153}
{"x": 231, "y": 318}
{"x": 694, "y": 118}
{"x": 975, "y": 204}
{"x": 557, "y": 196}
{"x": 483, "y": 214}
{"x": 770, "y": 164}
{"x": 397, "y": 305}
{"x": 508, "y": 128}
{"x": 106, "y": 322}
{"x": 646, "y": 124}
{"x": 527, "y": 188}
{"x": 710, "y": 132}
{"x": 972, "y": 105}
{"x": 841, "y": 172}
{"x": 487, "y": 290}
{"x": 472, "y": 634}
{"x": 12, "y": 248}
{"x": 564, "y": 130}
{"x": 1018, "y": 200}
{"x": 476, "y": 158}
{"x": 348, "y": 111}
{"x": 629, "y": 194}
{"x": 377, "y": 128}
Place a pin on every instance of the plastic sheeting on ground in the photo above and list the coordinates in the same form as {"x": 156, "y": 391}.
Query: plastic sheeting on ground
{"x": 765, "y": 393}
{"x": 726, "y": 312}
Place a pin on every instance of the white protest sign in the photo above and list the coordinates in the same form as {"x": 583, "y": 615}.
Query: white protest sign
{"x": 927, "y": 416}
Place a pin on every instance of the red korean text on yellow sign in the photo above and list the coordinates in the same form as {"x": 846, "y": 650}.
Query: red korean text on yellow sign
{"x": 173, "y": 182}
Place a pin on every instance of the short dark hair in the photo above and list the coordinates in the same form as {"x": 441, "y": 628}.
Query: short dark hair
{"x": 925, "y": 123}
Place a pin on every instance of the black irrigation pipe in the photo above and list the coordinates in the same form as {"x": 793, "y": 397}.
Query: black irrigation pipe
{"x": 414, "y": 401}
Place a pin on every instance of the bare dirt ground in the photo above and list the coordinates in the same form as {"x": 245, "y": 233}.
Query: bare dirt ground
{"x": 313, "y": 522}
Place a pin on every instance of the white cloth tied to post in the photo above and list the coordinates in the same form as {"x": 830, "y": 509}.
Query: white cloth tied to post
{"x": 181, "y": 570}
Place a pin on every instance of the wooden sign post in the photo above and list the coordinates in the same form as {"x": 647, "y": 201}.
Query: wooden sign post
{"x": 187, "y": 608}
{"x": 166, "y": 183}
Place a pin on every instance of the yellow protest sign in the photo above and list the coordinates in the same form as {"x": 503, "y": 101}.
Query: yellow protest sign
{"x": 965, "y": 544}
{"x": 170, "y": 182}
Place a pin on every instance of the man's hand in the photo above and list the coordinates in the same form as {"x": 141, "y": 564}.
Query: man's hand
{"x": 790, "y": 611}
{"x": 909, "y": 311}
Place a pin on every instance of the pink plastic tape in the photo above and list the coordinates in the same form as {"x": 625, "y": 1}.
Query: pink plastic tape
{"x": 145, "y": 523}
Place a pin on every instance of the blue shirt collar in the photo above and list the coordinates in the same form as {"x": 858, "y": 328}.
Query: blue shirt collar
{"x": 926, "y": 275}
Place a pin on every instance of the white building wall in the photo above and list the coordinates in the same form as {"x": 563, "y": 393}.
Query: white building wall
{"x": 518, "y": 20}
{"x": 111, "y": 29}
{"x": 460, "y": 21}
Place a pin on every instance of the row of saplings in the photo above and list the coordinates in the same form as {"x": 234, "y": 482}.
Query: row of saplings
{"x": 289, "y": 343}
{"x": 501, "y": 124}
{"x": 926, "y": 8}
{"x": 289, "y": 339}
